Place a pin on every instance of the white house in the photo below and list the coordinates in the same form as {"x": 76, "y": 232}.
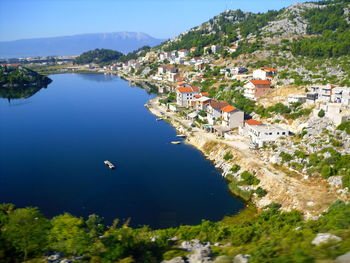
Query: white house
{"x": 215, "y": 48}
{"x": 262, "y": 134}
{"x": 321, "y": 93}
{"x": 296, "y": 98}
{"x": 232, "y": 117}
{"x": 232, "y": 49}
{"x": 183, "y": 53}
{"x": 336, "y": 113}
{"x": 200, "y": 102}
{"x": 264, "y": 73}
{"x": 184, "y": 95}
{"x": 341, "y": 95}
{"x": 214, "y": 110}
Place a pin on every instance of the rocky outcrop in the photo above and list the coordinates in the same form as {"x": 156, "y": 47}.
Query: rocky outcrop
{"x": 324, "y": 238}
{"x": 344, "y": 258}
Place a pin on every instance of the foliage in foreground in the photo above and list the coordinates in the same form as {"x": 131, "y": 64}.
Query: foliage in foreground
{"x": 271, "y": 236}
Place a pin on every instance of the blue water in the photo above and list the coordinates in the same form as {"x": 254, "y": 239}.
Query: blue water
{"x": 53, "y": 144}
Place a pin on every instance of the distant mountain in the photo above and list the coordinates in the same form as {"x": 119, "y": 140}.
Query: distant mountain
{"x": 74, "y": 45}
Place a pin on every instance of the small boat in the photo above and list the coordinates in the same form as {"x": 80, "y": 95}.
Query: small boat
{"x": 175, "y": 142}
{"x": 109, "y": 164}
{"x": 159, "y": 119}
{"x": 181, "y": 135}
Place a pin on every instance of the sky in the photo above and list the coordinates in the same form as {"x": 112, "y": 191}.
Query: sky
{"x": 21, "y": 19}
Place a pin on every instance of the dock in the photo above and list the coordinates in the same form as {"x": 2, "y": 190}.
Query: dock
{"x": 109, "y": 164}
{"x": 176, "y": 142}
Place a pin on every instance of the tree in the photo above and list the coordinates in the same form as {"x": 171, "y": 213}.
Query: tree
{"x": 326, "y": 171}
{"x": 68, "y": 235}
{"x": 321, "y": 113}
{"x": 26, "y": 230}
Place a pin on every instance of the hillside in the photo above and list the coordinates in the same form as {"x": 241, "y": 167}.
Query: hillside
{"x": 98, "y": 56}
{"x": 76, "y": 44}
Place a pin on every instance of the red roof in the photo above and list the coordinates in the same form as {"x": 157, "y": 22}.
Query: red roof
{"x": 182, "y": 50}
{"x": 228, "y": 108}
{"x": 188, "y": 89}
{"x": 260, "y": 82}
{"x": 269, "y": 69}
{"x": 197, "y": 96}
{"x": 205, "y": 93}
{"x": 218, "y": 104}
{"x": 253, "y": 122}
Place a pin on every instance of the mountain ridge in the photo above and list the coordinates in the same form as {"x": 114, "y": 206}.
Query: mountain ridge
{"x": 76, "y": 44}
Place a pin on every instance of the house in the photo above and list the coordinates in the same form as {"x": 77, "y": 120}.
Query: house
{"x": 215, "y": 49}
{"x": 183, "y": 53}
{"x": 262, "y": 134}
{"x": 232, "y": 117}
{"x": 341, "y": 95}
{"x": 184, "y": 95}
{"x": 296, "y": 98}
{"x": 232, "y": 49}
{"x": 173, "y": 77}
{"x": 336, "y": 112}
{"x": 200, "y": 102}
{"x": 256, "y": 88}
{"x": 264, "y": 73}
{"x": 214, "y": 110}
{"x": 193, "y": 49}
{"x": 321, "y": 93}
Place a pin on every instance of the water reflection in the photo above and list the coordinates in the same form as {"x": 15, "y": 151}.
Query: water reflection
{"x": 20, "y": 92}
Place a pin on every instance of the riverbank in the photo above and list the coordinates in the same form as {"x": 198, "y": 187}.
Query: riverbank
{"x": 312, "y": 199}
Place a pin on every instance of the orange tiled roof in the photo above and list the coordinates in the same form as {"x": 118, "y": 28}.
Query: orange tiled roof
{"x": 197, "y": 96}
{"x": 228, "y": 108}
{"x": 205, "y": 93}
{"x": 269, "y": 69}
{"x": 182, "y": 50}
{"x": 253, "y": 122}
{"x": 181, "y": 83}
{"x": 260, "y": 82}
{"x": 188, "y": 89}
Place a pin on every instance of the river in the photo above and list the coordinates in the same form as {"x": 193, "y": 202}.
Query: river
{"x": 53, "y": 144}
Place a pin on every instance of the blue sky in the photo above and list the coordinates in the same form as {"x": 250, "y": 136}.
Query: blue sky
{"x": 160, "y": 18}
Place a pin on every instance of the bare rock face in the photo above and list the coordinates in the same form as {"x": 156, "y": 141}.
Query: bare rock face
{"x": 344, "y": 258}
{"x": 323, "y": 238}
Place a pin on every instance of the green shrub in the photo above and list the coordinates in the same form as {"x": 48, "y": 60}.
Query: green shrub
{"x": 248, "y": 179}
{"x": 321, "y": 113}
{"x": 228, "y": 156}
{"x": 260, "y": 192}
{"x": 235, "y": 168}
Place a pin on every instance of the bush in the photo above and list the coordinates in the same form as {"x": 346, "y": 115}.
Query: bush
{"x": 321, "y": 113}
{"x": 326, "y": 171}
{"x": 286, "y": 157}
{"x": 344, "y": 127}
{"x": 235, "y": 168}
{"x": 228, "y": 156}
{"x": 260, "y": 192}
{"x": 249, "y": 179}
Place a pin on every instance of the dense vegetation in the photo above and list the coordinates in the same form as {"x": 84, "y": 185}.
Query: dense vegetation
{"x": 271, "y": 236}
{"x": 98, "y": 56}
{"x": 135, "y": 54}
{"x": 20, "y": 76}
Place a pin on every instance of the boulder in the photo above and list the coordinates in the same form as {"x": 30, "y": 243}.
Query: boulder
{"x": 223, "y": 259}
{"x": 344, "y": 258}
{"x": 323, "y": 238}
{"x": 241, "y": 258}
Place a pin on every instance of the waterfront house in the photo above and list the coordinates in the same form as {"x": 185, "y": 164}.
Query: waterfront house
{"x": 232, "y": 117}
{"x": 262, "y": 134}
{"x": 256, "y": 88}
{"x": 264, "y": 73}
{"x": 200, "y": 102}
{"x": 214, "y": 110}
{"x": 184, "y": 95}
